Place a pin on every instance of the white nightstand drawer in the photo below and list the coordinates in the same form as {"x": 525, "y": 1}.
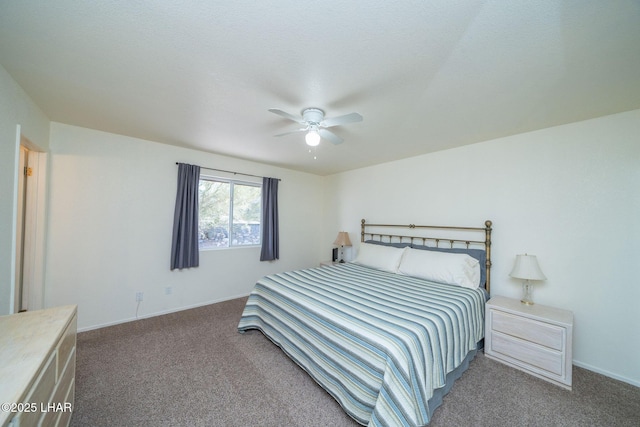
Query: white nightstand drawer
{"x": 530, "y": 330}
{"x": 531, "y": 354}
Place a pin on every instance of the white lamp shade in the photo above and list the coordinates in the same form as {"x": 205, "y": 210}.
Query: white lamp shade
{"x": 526, "y": 267}
{"x": 342, "y": 239}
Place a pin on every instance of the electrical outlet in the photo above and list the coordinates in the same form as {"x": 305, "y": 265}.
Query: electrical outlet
{"x": 139, "y": 296}
{"x": 168, "y": 290}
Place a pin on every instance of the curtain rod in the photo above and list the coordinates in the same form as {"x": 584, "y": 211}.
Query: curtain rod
{"x": 235, "y": 173}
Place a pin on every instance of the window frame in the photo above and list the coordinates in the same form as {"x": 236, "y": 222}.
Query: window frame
{"x": 232, "y": 182}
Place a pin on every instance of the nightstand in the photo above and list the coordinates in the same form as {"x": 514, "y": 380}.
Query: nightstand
{"x": 328, "y": 263}
{"x": 533, "y": 338}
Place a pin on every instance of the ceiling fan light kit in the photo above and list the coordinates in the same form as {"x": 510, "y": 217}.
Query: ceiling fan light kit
{"x": 316, "y": 125}
{"x": 312, "y": 138}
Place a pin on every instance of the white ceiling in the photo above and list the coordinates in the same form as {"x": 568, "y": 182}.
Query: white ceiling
{"x": 426, "y": 75}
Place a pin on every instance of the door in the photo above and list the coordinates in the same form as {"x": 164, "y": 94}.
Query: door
{"x": 20, "y": 295}
{"x": 28, "y": 288}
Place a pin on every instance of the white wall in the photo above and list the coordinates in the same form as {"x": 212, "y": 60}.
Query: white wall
{"x": 16, "y": 109}
{"x": 568, "y": 194}
{"x": 111, "y": 215}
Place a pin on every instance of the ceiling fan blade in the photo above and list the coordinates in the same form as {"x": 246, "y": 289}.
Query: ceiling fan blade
{"x": 290, "y": 132}
{"x": 286, "y": 115}
{"x": 330, "y": 136}
{"x": 340, "y": 120}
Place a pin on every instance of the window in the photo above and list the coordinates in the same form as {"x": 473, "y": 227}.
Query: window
{"x": 229, "y": 213}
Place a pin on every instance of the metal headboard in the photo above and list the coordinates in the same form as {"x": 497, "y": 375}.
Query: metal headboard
{"x": 433, "y": 241}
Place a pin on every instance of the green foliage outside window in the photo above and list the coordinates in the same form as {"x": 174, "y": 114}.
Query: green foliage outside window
{"x": 222, "y": 200}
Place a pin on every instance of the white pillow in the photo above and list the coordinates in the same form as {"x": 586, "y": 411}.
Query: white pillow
{"x": 442, "y": 267}
{"x": 385, "y": 258}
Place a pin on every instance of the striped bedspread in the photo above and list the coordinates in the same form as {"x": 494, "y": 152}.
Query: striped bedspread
{"x": 379, "y": 343}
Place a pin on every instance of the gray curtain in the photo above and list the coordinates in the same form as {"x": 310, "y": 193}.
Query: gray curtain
{"x": 270, "y": 229}
{"x": 184, "y": 245}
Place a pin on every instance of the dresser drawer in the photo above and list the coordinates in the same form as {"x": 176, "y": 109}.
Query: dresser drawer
{"x": 531, "y": 354}
{"x": 62, "y": 391}
{"x": 41, "y": 392}
{"x": 67, "y": 344}
{"x": 65, "y": 417}
{"x": 528, "y": 329}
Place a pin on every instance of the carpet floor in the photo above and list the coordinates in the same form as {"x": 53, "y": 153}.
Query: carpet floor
{"x": 193, "y": 368}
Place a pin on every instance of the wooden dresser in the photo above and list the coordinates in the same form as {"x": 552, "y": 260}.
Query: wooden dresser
{"x": 534, "y": 338}
{"x": 37, "y": 367}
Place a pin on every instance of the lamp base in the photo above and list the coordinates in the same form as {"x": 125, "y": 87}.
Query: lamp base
{"x": 527, "y": 289}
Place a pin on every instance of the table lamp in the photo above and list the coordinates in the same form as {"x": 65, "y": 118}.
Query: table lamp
{"x": 342, "y": 240}
{"x": 526, "y": 267}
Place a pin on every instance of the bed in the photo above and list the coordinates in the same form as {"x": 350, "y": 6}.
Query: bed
{"x": 378, "y": 334}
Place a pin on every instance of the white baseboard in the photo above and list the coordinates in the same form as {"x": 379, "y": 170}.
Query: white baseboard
{"x": 607, "y": 373}
{"x": 159, "y": 313}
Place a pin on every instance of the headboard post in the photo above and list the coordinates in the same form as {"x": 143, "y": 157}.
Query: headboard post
{"x": 362, "y": 230}
{"x": 487, "y": 245}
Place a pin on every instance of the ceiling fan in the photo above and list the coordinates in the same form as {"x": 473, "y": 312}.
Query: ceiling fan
{"x": 315, "y": 124}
